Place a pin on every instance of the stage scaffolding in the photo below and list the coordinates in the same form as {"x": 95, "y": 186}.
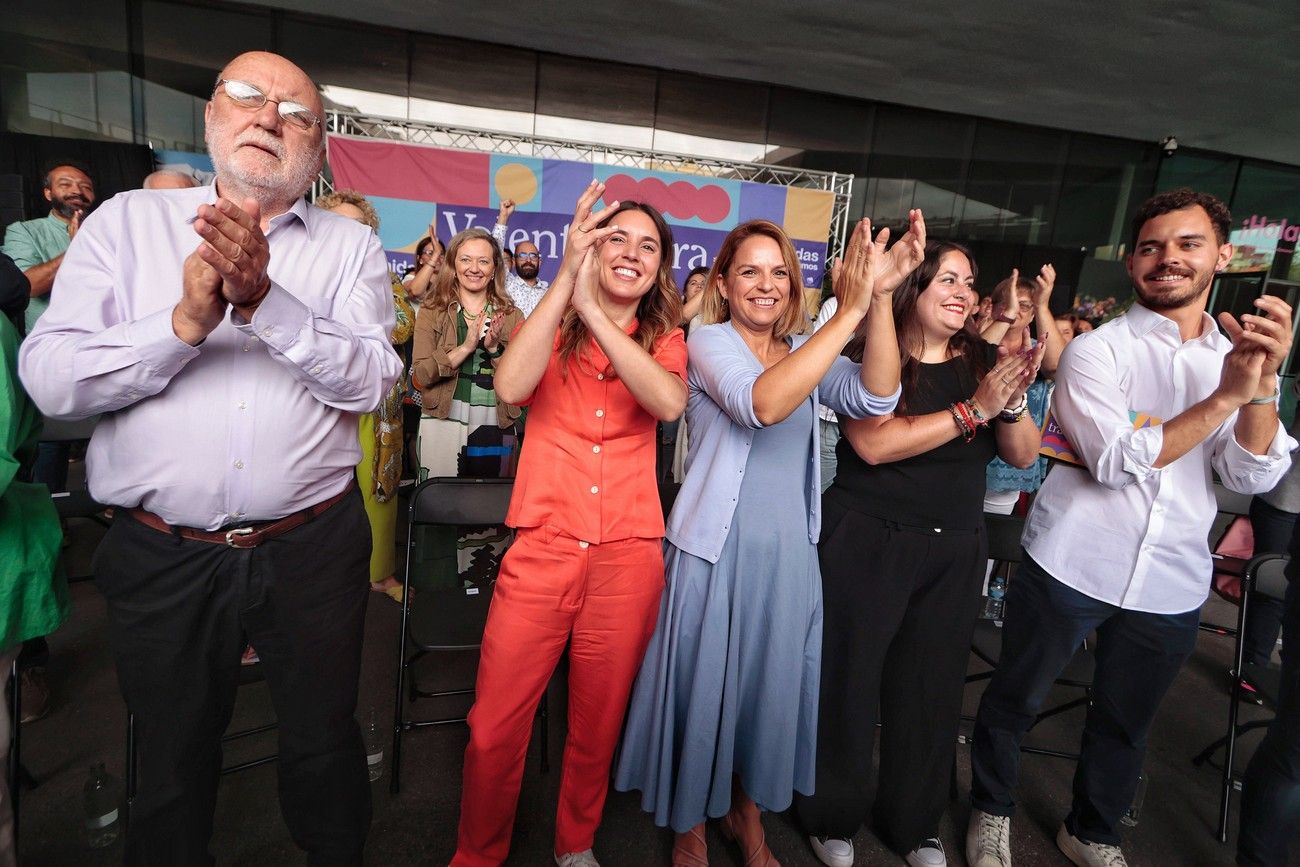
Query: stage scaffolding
{"x": 464, "y": 138}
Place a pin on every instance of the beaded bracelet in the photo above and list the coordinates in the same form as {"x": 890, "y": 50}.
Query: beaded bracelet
{"x": 967, "y": 432}
{"x": 971, "y": 419}
{"x": 1017, "y": 412}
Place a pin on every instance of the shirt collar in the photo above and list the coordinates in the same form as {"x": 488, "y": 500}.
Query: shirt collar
{"x": 1142, "y": 321}
{"x": 300, "y": 210}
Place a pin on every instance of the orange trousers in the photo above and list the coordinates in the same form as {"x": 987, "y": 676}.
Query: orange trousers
{"x": 603, "y": 600}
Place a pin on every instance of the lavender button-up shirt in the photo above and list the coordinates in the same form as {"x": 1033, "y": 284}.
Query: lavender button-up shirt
{"x": 256, "y": 422}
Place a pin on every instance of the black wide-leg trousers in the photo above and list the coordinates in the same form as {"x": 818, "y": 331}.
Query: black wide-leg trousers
{"x": 180, "y": 614}
{"x": 900, "y": 606}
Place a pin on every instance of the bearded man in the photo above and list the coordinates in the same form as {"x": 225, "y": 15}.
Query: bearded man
{"x": 230, "y": 335}
{"x": 1153, "y": 402}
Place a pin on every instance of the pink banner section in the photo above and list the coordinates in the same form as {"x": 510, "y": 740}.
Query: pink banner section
{"x": 400, "y": 171}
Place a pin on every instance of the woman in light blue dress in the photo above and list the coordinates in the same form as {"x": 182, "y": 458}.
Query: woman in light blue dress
{"x": 723, "y": 718}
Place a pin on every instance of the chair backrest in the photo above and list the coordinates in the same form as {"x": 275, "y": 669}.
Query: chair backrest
{"x": 461, "y": 502}
{"x": 1004, "y": 532}
{"x": 1267, "y": 574}
{"x": 1230, "y": 502}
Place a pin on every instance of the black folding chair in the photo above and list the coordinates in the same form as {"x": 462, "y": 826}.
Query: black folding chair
{"x": 1229, "y": 506}
{"x": 447, "y": 619}
{"x": 1265, "y": 574}
{"x": 1003, "y": 533}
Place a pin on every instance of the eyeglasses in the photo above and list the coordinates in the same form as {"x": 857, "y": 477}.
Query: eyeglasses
{"x": 536, "y": 257}
{"x": 245, "y": 95}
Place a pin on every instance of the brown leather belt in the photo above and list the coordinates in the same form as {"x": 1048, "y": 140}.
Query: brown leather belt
{"x": 243, "y": 537}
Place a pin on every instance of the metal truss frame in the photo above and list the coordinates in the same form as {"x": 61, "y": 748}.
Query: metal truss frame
{"x": 465, "y": 138}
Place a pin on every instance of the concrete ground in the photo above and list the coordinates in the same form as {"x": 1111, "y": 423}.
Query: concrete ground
{"x": 87, "y": 724}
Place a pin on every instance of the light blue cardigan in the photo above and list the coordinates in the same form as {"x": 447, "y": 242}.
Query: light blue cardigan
{"x": 720, "y": 420}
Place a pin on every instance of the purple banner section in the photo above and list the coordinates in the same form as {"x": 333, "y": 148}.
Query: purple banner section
{"x": 692, "y": 247}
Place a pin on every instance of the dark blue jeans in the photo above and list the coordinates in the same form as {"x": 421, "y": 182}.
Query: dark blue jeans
{"x": 1138, "y": 655}
{"x": 1270, "y": 801}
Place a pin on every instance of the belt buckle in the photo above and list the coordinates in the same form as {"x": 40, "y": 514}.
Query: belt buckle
{"x": 238, "y": 531}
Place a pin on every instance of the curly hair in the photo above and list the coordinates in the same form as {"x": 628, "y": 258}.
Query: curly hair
{"x": 1177, "y": 200}
{"x": 658, "y": 312}
{"x": 966, "y": 343}
{"x": 330, "y": 201}
{"x": 446, "y": 286}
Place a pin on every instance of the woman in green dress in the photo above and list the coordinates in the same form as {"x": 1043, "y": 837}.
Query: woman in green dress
{"x": 33, "y": 592}
{"x": 459, "y": 336}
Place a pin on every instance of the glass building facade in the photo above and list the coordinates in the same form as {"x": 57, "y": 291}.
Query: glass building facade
{"x": 141, "y": 70}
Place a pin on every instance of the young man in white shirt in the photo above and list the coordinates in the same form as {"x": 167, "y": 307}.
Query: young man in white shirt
{"x": 1152, "y": 402}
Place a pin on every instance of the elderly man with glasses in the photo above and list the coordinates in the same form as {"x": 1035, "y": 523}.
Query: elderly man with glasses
{"x": 230, "y": 335}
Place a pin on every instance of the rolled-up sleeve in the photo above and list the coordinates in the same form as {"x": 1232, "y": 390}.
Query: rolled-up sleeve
{"x": 344, "y": 361}
{"x": 82, "y": 358}
{"x": 1248, "y": 473}
{"x": 842, "y": 390}
{"x": 720, "y": 369}
{"x": 1092, "y": 410}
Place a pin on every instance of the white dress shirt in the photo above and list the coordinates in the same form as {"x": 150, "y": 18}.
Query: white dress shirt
{"x": 828, "y": 308}
{"x": 1123, "y": 531}
{"x": 525, "y": 296}
{"x": 257, "y": 421}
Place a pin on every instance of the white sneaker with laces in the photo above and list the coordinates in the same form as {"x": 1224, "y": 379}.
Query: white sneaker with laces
{"x": 988, "y": 840}
{"x": 833, "y": 851}
{"x": 577, "y": 859}
{"x": 928, "y": 854}
{"x": 1087, "y": 854}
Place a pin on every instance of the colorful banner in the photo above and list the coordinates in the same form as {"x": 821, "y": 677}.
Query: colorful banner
{"x": 413, "y": 186}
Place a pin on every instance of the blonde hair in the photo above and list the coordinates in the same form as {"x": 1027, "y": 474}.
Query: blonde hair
{"x": 714, "y": 307}
{"x": 446, "y": 286}
{"x": 330, "y": 201}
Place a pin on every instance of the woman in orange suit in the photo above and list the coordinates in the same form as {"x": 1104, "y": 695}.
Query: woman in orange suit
{"x": 599, "y": 362}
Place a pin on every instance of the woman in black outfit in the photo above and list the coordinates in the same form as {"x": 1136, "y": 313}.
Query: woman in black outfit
{"x": 902, "y": 557}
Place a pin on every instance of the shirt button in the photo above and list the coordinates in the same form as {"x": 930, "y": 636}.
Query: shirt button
{"x": 239, "y": 465}
{"x": 600, "y": 413}
{"x": 584, "y": 545}
{"x": 316, "y": 369}
{"x": 266, "y": 332}
{"x": 595, "y": 450}
{"x": 595, "y": 489}
{"x": 243, "y": 405}
{"x": 600, "y": 376}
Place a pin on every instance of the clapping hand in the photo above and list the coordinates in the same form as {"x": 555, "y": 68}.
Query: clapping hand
{"x": 1035, "y": 358}
{"x": 236, "y": 249}
{"x": 583, "y": 234}
{"x": 1011, "y": 375}
{"x": 1270, "y": 335}
{"x": 903, "y": 258}
{"x": 1043, "y": 284}
{"x": 855, "y": 279}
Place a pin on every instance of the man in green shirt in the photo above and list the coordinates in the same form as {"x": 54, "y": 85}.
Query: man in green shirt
{"x": 37, "y": 246}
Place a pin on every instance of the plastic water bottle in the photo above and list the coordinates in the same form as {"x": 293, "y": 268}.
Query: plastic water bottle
{"x": 1130, "y": 817}
{"x": 374, "y": 742}
{"x": 994, "y": 604}
{"x": 102, "y": 802}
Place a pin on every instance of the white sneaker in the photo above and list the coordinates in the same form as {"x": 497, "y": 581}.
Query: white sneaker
{"x": 988, "y": 840}
{"x": 1089, "y": 854}
{"x": 833, "y": 851}
{"x": 577, "y": 859}
{"x": 928, "y": 854}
